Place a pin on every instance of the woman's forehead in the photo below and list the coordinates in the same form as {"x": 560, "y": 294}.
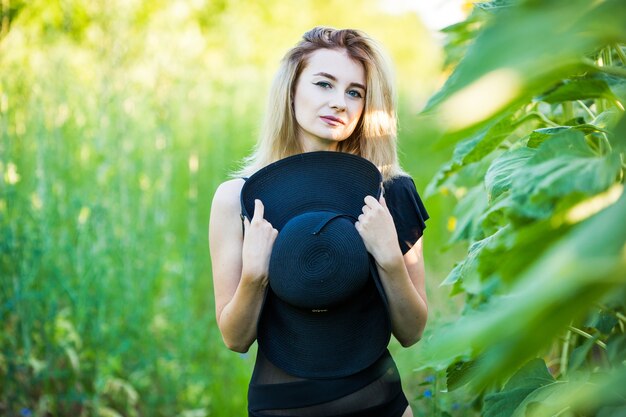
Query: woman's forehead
{"x": 336, "y": 63}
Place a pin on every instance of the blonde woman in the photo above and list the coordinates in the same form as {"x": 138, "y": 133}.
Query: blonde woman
{"x": 333, "y": 93}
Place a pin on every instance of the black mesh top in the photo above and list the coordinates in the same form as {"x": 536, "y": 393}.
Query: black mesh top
{"x": 375, "y": 391}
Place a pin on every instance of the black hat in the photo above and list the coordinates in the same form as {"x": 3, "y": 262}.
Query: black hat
{"x": 325, "y": 314}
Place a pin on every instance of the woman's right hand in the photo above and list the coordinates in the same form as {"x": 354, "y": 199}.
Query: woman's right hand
{"x": 258, "y": 241}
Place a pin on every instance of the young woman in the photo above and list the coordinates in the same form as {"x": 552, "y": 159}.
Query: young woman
{"x": 333, "y": 92}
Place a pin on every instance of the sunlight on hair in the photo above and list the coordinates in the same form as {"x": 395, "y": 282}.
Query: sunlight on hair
{"x": 591, "y": 206}
{"x": 382, "y": 119}
{"x": 481, "y": 99}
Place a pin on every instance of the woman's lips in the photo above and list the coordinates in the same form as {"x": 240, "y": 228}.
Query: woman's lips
{"x": 332, "y": 120}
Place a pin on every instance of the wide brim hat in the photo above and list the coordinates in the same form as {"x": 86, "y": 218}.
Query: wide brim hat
{"x": 325, "y": 313}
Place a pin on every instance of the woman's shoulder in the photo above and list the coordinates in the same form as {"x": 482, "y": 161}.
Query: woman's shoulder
{"x": 398, "y": 182}
{"x": 403, "y": 198}
{"x": 227, "y": 193}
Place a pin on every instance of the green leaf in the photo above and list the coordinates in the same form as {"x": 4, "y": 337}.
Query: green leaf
{"x": 496, "y": 216}
{"x": 616, "y": 349}
{"x": 531, "y": 376}
{"x": 538, "y": 136}
{"x": 519, "y": 54}
{"x": 465, "y": 153}
{"x": 607, "y": 120}
{"x": 602, "y": 320}
{"x": 467, "y": 212}
{"x": 467, "y": 270}
{"x": 562, "y": 165}
{"x": 495, "y": 4}
{"x": 580, "y": 394}
{"x": 618, "y": 139}
{"x": 578, "y": 356}
{"x": 499, "y": 176}
{"x": 616, "y": 411}
{"x": 493, "y": 137}
{"x": 532, "y": 240}
{"x": 457, "y": 374}
{"x": 578, "y": 89}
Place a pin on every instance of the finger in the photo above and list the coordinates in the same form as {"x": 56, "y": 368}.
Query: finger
{"x": 259, "y": 210}
{"x": 370, "y": 201}
{"x": 366, "y": 209}
{"x": 246, "y": 223}
{"x": 383, "y": 202}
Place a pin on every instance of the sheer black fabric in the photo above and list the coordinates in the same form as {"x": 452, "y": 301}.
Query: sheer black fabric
{"x": 373, "y": 392}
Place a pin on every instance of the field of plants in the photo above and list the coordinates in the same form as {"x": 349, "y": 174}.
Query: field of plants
{"x": 119, "y": 119}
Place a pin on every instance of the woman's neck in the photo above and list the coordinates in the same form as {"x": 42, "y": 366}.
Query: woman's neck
{"x": 310, "y": 145}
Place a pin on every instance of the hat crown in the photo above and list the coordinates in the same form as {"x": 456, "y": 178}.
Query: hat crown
{"x": 318, "y": 261}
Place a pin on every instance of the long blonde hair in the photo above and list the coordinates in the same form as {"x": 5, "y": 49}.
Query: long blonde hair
{"x": 375, "y": 136}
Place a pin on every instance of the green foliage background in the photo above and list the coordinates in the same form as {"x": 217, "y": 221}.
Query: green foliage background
{"x": 119, "y": 119}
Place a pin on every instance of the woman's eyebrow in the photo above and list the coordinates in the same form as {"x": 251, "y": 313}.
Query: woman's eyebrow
{"x": 332, "y": 77}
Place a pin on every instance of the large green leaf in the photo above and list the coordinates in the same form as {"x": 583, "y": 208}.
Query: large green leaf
{"x": 467, "y": 212}
{"x": 499, "y": 176}
{"x": 560, "y": 166}
{"x": 460, "y": 35}
{"x": 579, "y": 89}
{"x": 531, "y": 376}
{"x": 497, "y": 214}
{"x": 578, "y": 394}
{"x": 467, "y": 270}
{"x": 523, "y": 52}
{"x": 579, "y": 354}
{"x": 538, "y": 136}
{"x": 618, "y": 139}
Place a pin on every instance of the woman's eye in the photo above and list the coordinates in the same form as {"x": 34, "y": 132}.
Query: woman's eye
{"x": 355, "y": 94}
{"x": 323, "y": 84}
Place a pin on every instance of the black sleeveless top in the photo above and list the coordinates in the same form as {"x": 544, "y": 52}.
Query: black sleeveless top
{"x": 373, "y": 392}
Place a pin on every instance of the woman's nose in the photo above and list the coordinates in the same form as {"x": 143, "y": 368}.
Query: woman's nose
{"x": 338, "y": 101}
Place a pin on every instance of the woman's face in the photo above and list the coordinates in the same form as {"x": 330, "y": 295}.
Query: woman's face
{"x": 329, "y": 99}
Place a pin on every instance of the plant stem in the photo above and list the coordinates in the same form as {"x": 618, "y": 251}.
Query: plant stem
{"x": 607, "y": 144}
{"x": 589, "y": 112}
{"x": 568, "y": 110}
{"x": 607, "y": 58}
{"x": 565, "y": 353}
{"x": 540, "y": 116}
{"x": 587, "y": 335}
{"x": 619, "y": 71}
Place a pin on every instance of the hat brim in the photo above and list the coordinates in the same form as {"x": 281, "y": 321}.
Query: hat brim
{"x": 326, "y": 344}
{"x": 311, "y": 181}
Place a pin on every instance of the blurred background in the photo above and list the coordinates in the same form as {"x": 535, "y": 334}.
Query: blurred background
{"x": 118, "y": 120}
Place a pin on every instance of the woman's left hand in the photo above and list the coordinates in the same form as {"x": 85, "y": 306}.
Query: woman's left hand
{"x": 377, "y": 230}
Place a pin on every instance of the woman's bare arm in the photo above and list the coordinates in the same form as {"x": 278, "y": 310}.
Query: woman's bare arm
{"x": 239, "y": 265}
{"x": 403, "y": 279}
{"x": 402, "y": 276}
